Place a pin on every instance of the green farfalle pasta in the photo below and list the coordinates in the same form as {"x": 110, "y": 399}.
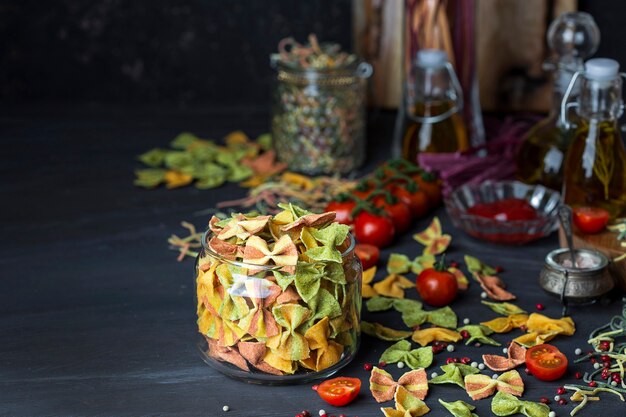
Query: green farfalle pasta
{"x": 459, "y": 408}
{"x": 289, "y": 344}
{"x": 443, "y": 317}
{"x": 381, "y": 303}
{"x": 401, "y": 264}
{"x": 413, "y": 358}
{"x": 479, "y": 333}
{"x": 384, "y": 333}
{"x": 153, "y": 158}
{"x": 149, "y": 178}
{"x": 504, "y": 309}
{"x": 454, "y": 373}
{"x": 474, "y": 265}
{"x": 324, "y": 305}
{"x": 504, "y": 404}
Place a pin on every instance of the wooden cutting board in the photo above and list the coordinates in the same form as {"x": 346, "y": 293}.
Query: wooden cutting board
{"x": 605, "y": 242}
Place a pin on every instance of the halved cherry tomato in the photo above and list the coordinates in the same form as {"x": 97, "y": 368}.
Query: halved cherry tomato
{"x": 339, "y": 391}
{"x": 373, "y": 229}
{"x": 343, "y": 210}
{"x": 418, "y": 201}
{"x": 398, "y": 212}
{"x": 368, "y": 254}
{"x": 591, "y": 219}
{"x": 437, "y": 288}
{"x": 546, "y": 362}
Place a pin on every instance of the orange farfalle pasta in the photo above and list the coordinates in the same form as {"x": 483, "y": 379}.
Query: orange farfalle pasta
{"x": 226, "y": 354}
{"x": 383, "y": 387}
{"x": 506, "y": 324}
{"x": 542, "y": 329}
{"x": 366, "y": 289}
{"x": 283, "y": 253}
{"x": 243, "y": 227}
{"x": 432, "y": 238}
{"x": 324, "y": 353}
{"x": 426, "y": 336}
{"x": 393, "y": 286}
{"x": 479, "y": 386}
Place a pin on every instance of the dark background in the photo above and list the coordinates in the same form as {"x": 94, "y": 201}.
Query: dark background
{"x": 210, "y": 52}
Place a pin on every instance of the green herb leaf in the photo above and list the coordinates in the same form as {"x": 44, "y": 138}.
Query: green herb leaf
{"x": 479, "y": 333}
{"x": 459, "y": 408}
{"x": 505, "y": 309}
{"x": 383, "y": 333}
{"x": 401, "y": 352}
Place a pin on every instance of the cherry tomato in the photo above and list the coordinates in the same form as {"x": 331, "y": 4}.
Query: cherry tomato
{"x": 343, "y": 210}
{"x": 546, "y": 362}
{"x": 431, "y": 186}
{"x": 590, "y": 219}
{"x": 437, "y": 288}
{"x": 373, "y": 229}
{"x": 418, "y": 201}
{"x": 509, "y": 209}
{"x": 398, "y": 212}
{"x": 339, "y": 391}
{"x": 368, "y": 254}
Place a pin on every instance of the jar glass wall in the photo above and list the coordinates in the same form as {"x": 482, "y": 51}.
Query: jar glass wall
{"x": 254, "y": 326}
{"x": 318, "y": 118}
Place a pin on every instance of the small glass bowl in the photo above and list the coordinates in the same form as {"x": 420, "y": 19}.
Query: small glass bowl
{"x": 514, "y": 232}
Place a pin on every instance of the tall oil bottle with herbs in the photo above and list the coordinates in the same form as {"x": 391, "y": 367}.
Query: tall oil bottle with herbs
{"x": 433, "y": 121}
{"x": 572, "y": 37}
{"x": 595, "y": 166}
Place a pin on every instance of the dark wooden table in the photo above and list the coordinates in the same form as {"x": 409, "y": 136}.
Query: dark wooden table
{"x": 97, "y": 317}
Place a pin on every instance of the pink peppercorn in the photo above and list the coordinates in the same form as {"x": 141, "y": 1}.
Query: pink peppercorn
{"x": 314, "y": 387}
{"x": 604, "y": 345}
{"x": 465, "y": 360}
{"x": 523, "y": 328}
{"x": 465, "y": 334}
{"x": 342, "y": 415}
{"x": 367, "y": 366}
{"x": 527, "y": 371}
{"x": 578, "y": 375}
{"x": 544, "y": 400}
{"x": 562, "y": 401}
{"x": 560, "y": 390}
{"x": 305, "y": 413}
{"x": 382, "y": 364}
{"x": 606, "y": 373}
{"x": 451, "y": 360}
{"x": 605, "y": 358}
{"x": 592, "y": 384}
{"x": 454, "y": 264}
{"x": 540, "y": 307}
{"x": 437, "y": 348}
{"x": 499, "y": 269}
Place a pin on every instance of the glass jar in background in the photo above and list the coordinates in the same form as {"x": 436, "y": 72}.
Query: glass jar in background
{"x": 318, "y": 117}
{"x": 595, "y": 166}
{"x": 434, "y": 118}
{"x": 572, "y": 37}
{"x": 250, "y": 317}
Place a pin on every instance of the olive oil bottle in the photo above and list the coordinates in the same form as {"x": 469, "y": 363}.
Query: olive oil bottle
{"x": 595, "y": 167}
{"x": 433, "y": 121}
{"x": 572, "y": 37}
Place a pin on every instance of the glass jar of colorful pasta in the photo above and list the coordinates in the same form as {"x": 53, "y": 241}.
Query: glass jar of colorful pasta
{"x": 318, "y": 119}
{"x": 278, "y": 297}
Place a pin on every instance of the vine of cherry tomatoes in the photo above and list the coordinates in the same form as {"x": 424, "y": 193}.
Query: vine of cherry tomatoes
{"x": 386, "y": 203}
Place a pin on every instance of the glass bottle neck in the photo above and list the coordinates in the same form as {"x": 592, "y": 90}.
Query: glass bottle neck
{"x": 600, "y": 100}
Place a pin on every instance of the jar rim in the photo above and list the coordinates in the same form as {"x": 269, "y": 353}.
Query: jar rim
{"x": 210, "y": 252}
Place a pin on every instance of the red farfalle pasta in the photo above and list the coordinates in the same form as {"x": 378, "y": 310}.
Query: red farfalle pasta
{"x": 516, "y": 356}
{"x": 383, "y": 387}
